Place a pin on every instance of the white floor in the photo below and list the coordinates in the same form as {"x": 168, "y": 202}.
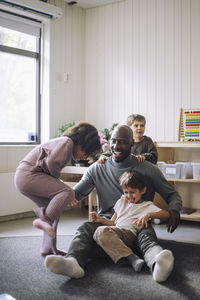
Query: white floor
{"x": 187, "y": 231}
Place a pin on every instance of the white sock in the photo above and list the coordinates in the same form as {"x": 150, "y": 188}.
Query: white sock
{"x": 64, "y": 265}
{"x": 163, "y": 265}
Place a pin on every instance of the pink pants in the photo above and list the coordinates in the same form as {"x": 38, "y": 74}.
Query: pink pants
{"x": 115, "y": 241}
{"x": 48, "y": 193}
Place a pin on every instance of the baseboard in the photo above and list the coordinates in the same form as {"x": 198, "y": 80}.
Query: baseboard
{"x": 17, "y": 216}
{"x": 28, "y": 214}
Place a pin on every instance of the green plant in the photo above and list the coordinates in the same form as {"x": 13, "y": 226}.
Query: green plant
{"x": 105, "y": 136}
{"x": 63, "y": 128}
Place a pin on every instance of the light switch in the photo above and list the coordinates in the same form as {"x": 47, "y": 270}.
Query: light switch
{"x": 66, "y": 77}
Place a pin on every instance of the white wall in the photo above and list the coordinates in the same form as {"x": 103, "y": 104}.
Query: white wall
{"x": 64, "y": 53}
{"x": 142, "y": 56}
{"x": 11, "y": 201}
{"x": 135, "y": 56}
{"x": 67, "y": 55}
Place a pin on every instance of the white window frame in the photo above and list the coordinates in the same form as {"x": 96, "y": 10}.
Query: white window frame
{"x": 43, "y": 12}
{"x": 28, "y": 26}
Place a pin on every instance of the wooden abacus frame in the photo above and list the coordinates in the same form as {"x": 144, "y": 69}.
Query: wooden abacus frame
{"x": 189, "y": 125}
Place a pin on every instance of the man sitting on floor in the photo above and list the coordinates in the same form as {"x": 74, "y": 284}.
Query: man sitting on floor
{"x": 105, "y": 178}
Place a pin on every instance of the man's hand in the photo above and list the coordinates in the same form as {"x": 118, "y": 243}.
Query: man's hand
{"x": 174, "y": 219}
{"x": 73, "y": 203}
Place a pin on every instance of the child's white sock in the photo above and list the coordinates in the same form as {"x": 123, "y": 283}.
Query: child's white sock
{"x": 163, "y": 265}
{"x": 64, "y": 265}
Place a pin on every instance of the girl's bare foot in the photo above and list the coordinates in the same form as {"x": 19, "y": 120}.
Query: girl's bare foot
{"x": 38, "y": 223}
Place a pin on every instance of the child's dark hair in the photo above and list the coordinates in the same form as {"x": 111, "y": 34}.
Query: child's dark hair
{"x": 85, "y": 135}
{"x": 135, "y": 117}
{"x": 133, "y": 180}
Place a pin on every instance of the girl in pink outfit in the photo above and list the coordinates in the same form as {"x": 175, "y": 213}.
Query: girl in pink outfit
{"x": 37, "y": 177}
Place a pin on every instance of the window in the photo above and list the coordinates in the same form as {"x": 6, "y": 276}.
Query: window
{"x": 19, "y": 79}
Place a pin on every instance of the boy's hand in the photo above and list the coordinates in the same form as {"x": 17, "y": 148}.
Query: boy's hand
{"x": 102, "y": 159}
{"x": 140, "y": 158}
{"x": 142, "y": 221}
{"x": 94, "y": 217}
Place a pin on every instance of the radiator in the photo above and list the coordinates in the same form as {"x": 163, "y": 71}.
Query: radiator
{"x": 11, "y": 201}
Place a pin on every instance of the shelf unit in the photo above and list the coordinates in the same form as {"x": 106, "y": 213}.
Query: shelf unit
{"x": 183, "y": 180}
{"x": 182, "y": 151}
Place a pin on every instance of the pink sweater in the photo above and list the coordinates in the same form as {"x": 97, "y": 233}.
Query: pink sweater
{"x": 49, "y": 157}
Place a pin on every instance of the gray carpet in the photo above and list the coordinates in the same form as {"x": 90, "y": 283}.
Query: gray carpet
{"x": 23, "y": 275}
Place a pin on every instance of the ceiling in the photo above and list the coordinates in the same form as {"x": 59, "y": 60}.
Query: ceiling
{"x": 91, "y": 3}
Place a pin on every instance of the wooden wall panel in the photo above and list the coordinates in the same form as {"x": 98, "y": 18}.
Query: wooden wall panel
{"x": 147, "y": 62}
{"x": 67, "y": 99}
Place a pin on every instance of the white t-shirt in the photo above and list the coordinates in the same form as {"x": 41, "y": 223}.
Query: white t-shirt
{"x": 128, "y": 212}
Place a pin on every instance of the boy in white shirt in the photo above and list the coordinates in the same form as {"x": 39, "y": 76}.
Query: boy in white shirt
{"x": 131, "y": 214}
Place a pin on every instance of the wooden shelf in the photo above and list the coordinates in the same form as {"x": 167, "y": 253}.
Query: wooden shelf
{"x": 186, "y": 152}
{"x": 73, "y": 170}
{"x": 183, "y": 180}
{"x": 177, "y": 144}
{"x": 195, "y": 216}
